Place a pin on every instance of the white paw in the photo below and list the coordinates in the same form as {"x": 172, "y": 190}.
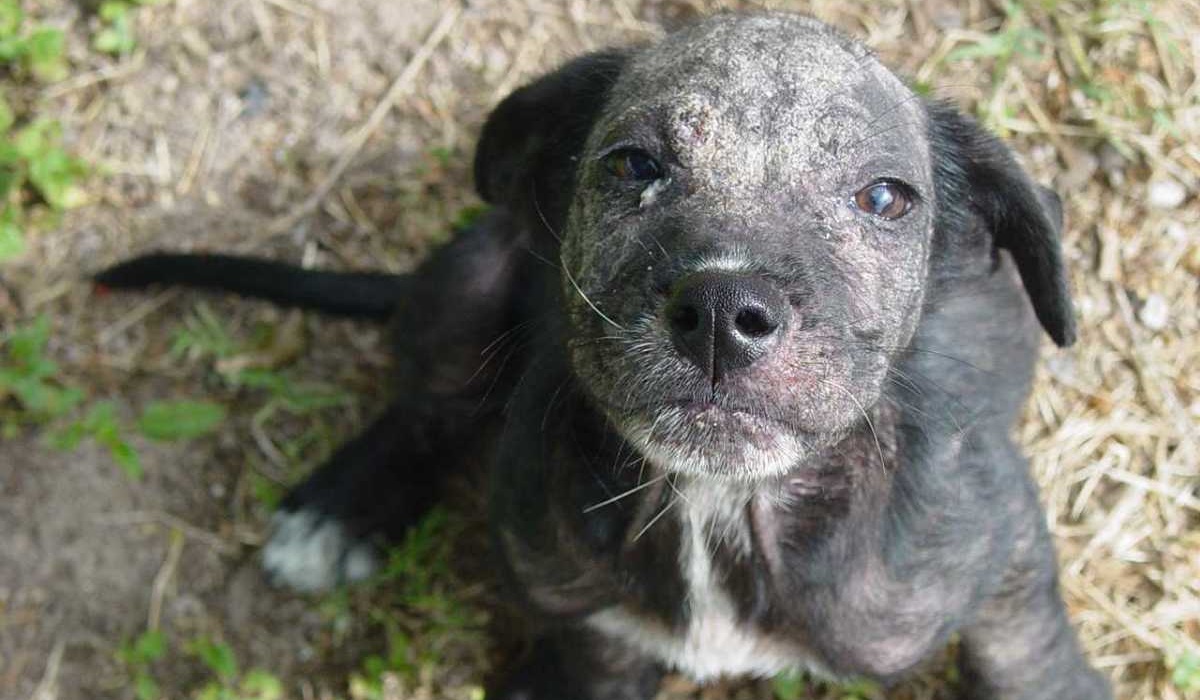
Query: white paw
{"x": 309, "y": 553}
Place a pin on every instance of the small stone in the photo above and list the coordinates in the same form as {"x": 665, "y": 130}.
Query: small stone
{"x": 1155, "y": 313}
{"x": 948, "y": 17}
{"x": 1112, "y": 163}
{"x": 1081, "y": 167}
{"x": 1166, "y": 194}
{"x": 1192, "y": 261}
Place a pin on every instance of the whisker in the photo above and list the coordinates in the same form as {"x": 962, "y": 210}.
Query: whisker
{"x": 541, "y": 215}
{"x": 571, "y": 279}
{"x": 553, "y": 399}
{"x": 655, "y": 519}
{"x": 496, "y": 379}
{"x": 867, "y": 418}
{"x": 493, "y": 349}
{"x": 671, "y": 483}
{"x": 630, "y": 492}
{"x": 541, "y": 258}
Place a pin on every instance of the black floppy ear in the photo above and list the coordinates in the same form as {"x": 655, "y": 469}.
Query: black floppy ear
{"x": 976, "y": 170}
{"x": 527, "y": 152}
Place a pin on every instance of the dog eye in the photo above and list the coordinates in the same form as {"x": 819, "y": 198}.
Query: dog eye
{"x": 885, "y": 199}
{"x": 633, "y": 164}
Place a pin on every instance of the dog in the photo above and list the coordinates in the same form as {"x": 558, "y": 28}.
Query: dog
{"x": 751, "y": 322}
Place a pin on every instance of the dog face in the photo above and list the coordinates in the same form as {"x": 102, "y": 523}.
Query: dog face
{"x": 751, "y": 221}
{"x": 746, "y": 238}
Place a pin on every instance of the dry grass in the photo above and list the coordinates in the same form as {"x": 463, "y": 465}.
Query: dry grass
{"x": 217, "y": 133}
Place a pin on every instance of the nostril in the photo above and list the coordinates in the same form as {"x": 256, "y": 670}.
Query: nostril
{"x": 754, "y": 323}
{"x": 685, "y": 318}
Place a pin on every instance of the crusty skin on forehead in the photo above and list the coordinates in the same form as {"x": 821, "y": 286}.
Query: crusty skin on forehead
{"x": 786, "y": 94}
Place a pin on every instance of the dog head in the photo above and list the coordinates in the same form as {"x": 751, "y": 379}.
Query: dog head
{"x": 746, "y": 214}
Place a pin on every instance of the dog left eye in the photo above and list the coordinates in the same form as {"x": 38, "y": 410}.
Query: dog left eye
{"x": 633, "y": 164}
{"x": 885, "y": 199}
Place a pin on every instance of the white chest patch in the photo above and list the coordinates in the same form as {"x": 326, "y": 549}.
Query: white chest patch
{"x": 714, "y": 642}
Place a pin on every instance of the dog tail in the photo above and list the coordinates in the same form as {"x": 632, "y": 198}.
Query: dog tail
{"x": 361, "y": 294}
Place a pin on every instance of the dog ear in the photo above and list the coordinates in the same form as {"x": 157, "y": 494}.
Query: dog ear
{"x": 976, "y": 170}
{"x": 528, "y": 148}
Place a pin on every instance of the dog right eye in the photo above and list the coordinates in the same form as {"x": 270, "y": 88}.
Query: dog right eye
{"x": 633, "y": 164}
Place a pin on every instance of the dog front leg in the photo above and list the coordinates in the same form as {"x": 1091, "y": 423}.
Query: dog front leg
{"x": 456, "y": 331}
{"x": 1020, "y": 645}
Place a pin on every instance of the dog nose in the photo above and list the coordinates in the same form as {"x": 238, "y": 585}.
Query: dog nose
{"x": 723, "y": 322}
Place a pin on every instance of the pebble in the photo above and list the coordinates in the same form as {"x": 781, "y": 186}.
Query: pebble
{"x": 1166, "y": 194}
{"x": 1112, "y": 163}
{"x": 1155, "y": 313}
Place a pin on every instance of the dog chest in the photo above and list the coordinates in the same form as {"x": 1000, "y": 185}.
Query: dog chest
{"x": 711, "y": 640}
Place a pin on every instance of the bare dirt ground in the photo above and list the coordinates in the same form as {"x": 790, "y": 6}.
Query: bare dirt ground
{"x": 339, "y": 134}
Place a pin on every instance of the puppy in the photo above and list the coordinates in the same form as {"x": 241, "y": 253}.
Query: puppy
{"x": 755, "y": 322}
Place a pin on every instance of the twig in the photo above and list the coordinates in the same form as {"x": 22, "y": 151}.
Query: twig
{"x": 45, "y": 689}
{"x": 159, "y": 590}
{"x": 402, "y": 84}
{"x": 157, "y": 517}
{"x": 135, "y": 316}
{"x": 104, "y": 75}
{"x": 297, "y": 9}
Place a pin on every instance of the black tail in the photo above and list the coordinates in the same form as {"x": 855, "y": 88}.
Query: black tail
{"x": 365, "y": 294}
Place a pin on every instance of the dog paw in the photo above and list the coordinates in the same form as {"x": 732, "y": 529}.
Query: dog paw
{"x": 310, "y": 552}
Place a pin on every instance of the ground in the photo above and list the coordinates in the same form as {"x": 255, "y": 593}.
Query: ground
{"x": 339, "y": 134}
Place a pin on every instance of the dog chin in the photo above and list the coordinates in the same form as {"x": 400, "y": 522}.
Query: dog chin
{"x": 715, "y": 443}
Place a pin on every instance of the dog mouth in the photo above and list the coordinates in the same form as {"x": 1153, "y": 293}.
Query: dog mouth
{"x": 759, "y": 421}
{"x": 711, "y": 437}
{"x": 721, "y": 417}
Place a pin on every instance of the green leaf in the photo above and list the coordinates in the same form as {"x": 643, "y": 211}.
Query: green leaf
{"x": 101, "y": 418}
{"x": 127, "y": 459}
{"x": 26, "y": 345}
{"x": 180, "y": 420}
{"x": 468, "y": 215}
{"x": 151, "y": 645}
{"x": 788, "y": 686}
{"x": 54, "y": 174}
{"x": 11, "y": 48}
{"x": 6, "y": 115}
{"x": 218, "y": 657}
{"x": 114, "y": 40}
{"x": 12, "y": 243}
{"x": 32, "y": 141}
{"x": 260, "y": 685}
{"x": 203, "y": 335}
{"x": 267, "y": 493}
{"x": 113, "y": 10}
{"x": 441, "y": 154}
{"x": 146, "y": 688}
{"x": 101, "y": 424}
{"x": 53, "y": 401}
{"x": 68, "y": 438}
{"x": 10, "y": 18}
{"x": 859, "y": 690}
{"x": 46, "y": 54}
{"x": 1185, "y": 672}
{"x": 116, "y": 37}
{"x": 261, "y": 379}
